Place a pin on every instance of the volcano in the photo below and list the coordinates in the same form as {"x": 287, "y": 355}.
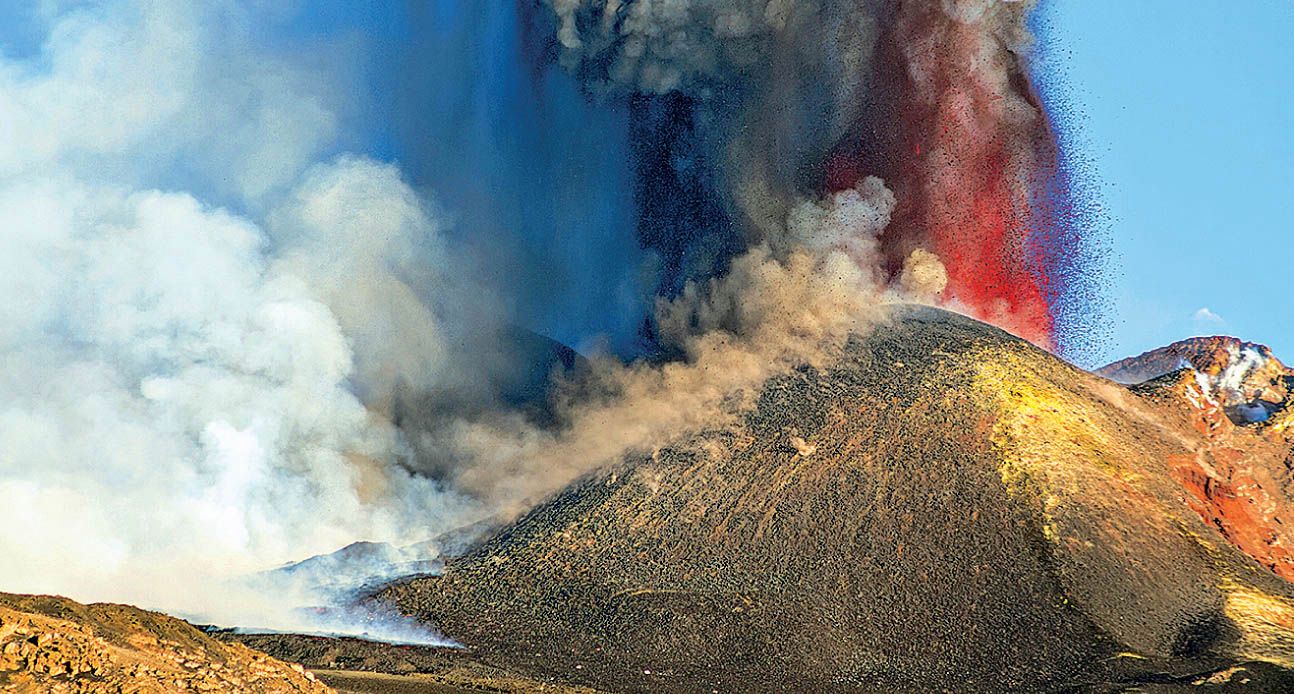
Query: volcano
{"x": 941, "y": 506}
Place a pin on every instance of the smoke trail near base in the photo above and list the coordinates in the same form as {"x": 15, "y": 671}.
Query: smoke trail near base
{"x": 775, "y": 308}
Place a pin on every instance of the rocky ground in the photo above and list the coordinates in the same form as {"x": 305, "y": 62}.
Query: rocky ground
{"x": 351, "y": 666}
{"x": 51, "y": 644}
{"x": 356, "y": 665}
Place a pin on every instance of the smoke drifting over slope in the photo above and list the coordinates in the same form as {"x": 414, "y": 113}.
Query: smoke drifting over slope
{"x": 229, "y": 345}
{"x": 768, "y": 313}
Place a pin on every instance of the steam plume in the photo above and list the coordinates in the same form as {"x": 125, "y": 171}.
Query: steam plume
{"x": 188, "y": 394}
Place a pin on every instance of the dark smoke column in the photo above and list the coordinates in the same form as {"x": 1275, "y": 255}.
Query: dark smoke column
{"x": 746, "y": 108}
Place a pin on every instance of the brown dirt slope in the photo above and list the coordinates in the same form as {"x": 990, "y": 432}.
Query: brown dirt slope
{"x": 52, "y": 644}
{"x": 943, "y": 507}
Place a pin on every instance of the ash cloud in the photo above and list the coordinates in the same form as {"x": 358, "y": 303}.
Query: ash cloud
{"x": 735, "y": 105}
{"x": 774, "y": 309}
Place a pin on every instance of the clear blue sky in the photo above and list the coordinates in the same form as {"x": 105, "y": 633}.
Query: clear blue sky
{"x": 1185, "y": 110}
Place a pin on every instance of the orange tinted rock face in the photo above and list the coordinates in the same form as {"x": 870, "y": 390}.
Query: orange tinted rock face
{"x": 1237, "y": 498}
{"x": 1237, "y": 478}
{"x": 1207, "y": 415}
{"x": 52, "y": 644}
{"x": 1245, "y": 378}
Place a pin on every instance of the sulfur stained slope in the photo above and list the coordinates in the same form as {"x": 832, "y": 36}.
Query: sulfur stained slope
{"x": 1133, "y": 545}
{"x": 944, "y": 506}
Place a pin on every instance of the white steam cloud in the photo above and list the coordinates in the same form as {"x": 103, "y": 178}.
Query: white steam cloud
{"x": 371, "y": 250}
{"x": 130, "y": 91}
{"x": 184, "y": 390}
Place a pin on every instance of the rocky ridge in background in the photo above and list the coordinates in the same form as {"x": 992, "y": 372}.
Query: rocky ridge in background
{"x": 1236, "y": 395}
{"x": 1244, "y": 378}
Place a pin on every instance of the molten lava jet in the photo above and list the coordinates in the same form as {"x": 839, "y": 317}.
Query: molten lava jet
{"x": 974, "y": 164}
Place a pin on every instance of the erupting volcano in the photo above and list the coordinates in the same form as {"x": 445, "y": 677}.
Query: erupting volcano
{"x": 637, "y": 345}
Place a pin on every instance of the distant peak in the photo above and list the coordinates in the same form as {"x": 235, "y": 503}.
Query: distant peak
{"x": 1245, "y": 378}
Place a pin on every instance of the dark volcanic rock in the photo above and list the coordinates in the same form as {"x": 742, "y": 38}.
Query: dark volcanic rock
{"x": 944, "y": 507}
{"x": 344, "y": 662}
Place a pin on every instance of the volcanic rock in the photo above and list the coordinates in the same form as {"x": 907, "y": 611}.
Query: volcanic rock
{"x": 941, "y": 507}
{"x": 52, "y": 644}
{"x": 359, "y": 665}
{"x": 1247, "y": 380}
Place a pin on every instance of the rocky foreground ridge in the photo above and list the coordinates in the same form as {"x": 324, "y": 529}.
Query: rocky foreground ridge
{"x": 52, "y": 644}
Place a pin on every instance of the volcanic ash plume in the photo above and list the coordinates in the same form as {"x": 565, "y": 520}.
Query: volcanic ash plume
{"x": 759, "y": 104}
{"x": 774, "y": 309}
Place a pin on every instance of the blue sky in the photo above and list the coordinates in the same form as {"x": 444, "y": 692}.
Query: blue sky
{"x": 1184, "y": 110}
